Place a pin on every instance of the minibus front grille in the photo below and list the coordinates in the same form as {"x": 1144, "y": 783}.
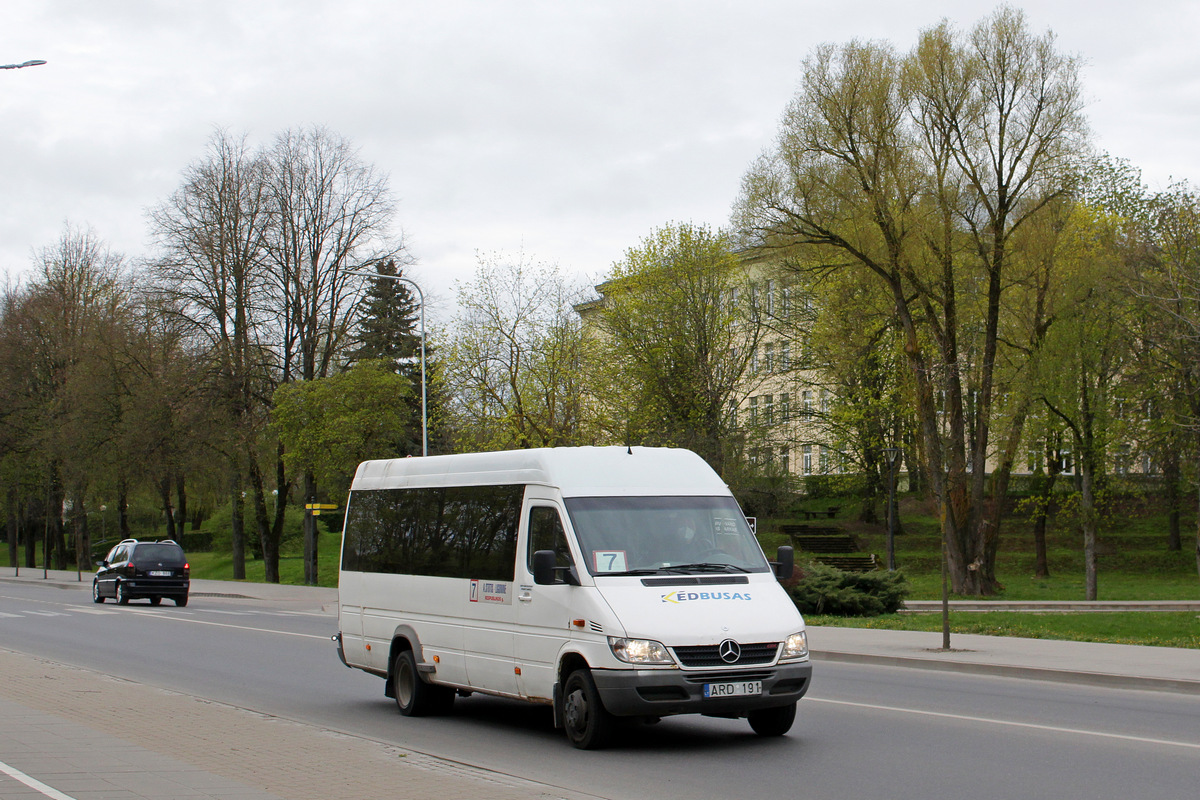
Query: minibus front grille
{"x": 727, "y": 677}
{"x": 709, "y": 655}
{"x": 696, "y": 580}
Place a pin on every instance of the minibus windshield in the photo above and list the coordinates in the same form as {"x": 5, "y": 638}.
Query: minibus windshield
{"x": 652, "y": 535}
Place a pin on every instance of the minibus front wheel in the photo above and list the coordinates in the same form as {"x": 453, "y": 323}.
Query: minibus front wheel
{"x": 772, "y": 721}
{"x": 587, "y": 722}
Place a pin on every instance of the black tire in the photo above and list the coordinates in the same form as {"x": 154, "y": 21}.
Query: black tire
{"x": 122, "y": 594}
{"x": 772, "y": 721}
{"x": 586, "y": 721}
{"x": 181, "y": 601}
{"x": 415, "y": 697}
{"x": 155, "y": 600}
{"x": 96, "y": 596}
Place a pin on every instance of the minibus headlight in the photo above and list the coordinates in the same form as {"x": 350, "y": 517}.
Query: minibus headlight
{"x": 796, "y": 646}
{"x": 639, "y": 651}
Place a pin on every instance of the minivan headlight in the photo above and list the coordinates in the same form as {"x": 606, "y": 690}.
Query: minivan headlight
{"x": 796, "y": 646}
{"x": 639, "y": 651}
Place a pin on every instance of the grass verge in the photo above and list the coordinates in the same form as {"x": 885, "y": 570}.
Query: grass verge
{"x": 1156, "y": 628}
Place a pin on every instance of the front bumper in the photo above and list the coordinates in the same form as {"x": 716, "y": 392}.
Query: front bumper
{"x": 660, "y": 693}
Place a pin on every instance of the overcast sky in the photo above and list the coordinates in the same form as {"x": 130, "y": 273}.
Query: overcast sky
{"x": 566, "y": 129}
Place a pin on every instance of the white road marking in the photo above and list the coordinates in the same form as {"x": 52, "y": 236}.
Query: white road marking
{"x": 33, "y": 783}
{"x": 158, "y": 615}
{"x": 1010, "y": 723}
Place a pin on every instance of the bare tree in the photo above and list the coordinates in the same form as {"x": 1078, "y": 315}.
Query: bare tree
{"x": 212, "y": 232}
{"x": 332, "y": 213}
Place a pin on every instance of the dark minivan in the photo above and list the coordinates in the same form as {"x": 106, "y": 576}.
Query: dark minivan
{"x": 152, "y": 570}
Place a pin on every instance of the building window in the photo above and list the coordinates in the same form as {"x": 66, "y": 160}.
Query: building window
{"x": 785, "y": 459}
{"x": 753, "y": 410}
{"x": 768, "y": 362}
{"x": 768, "y": 410}
{"x": 806, "y": 459}
{"x": 785, "y": 356}
{"x": 785, "y": 407}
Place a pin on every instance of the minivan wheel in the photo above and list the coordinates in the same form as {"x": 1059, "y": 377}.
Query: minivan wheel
{"x": 181, "y": 600}
{"x": 415, "y": 697}
{"x": 122, "y": 594}
{"x": 772, "y": 721}
{"x": 587, "y": 722}
{"x": 96, "y": 596}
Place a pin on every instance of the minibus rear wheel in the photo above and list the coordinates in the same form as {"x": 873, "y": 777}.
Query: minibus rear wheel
{"x": 772, "y": 721}
{"x": 415, "y": 697}
{"x": 587, "y": 722}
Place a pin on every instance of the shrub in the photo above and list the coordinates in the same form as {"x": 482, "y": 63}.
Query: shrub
{"x": 827, "y": 590}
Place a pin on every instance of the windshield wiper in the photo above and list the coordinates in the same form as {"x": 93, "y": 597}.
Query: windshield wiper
{"x": 632, "y": 572}
{"x": 704, "y": 567}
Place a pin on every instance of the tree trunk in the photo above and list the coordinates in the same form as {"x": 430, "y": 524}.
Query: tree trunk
{"x": 310, "y": 531}
{"x": 181, "y": 508}
{"x": 12, "y": 526}
{"x": 1171, "y": 477}
{"x": 282, "y": 490}
{"x": 164, "y": 495}
{"x": 122, "y": 510}
{"x": 270, "y": 545}
{"x": 237, "y": 502}
{"x": 1088, "y": 524}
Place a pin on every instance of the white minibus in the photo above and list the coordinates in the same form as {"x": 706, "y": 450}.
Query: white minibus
{"x": 607, "y": 582}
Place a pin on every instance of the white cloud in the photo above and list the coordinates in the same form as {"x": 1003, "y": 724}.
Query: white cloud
{"x": 567, "y": 129}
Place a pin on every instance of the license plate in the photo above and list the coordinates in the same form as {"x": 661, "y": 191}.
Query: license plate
{"x": 159, "y": 573}
{"x": 733, "y": 689}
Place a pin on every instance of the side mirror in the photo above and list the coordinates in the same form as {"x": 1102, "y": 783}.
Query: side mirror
{"x": 544, "y": 562}
{"x": 785, "y": 563}
{"x": 101, "y": 563}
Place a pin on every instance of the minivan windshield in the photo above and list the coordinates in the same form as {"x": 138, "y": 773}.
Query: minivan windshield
{"x": 652, "y": 535}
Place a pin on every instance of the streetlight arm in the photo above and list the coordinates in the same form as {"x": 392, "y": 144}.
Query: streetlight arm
{"x": 31, "y": 63}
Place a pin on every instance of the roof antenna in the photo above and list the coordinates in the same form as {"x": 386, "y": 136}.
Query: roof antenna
{"x": 628, "y": 436}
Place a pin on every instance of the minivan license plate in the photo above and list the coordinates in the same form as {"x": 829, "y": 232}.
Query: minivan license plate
{"x": 159, "y": 573}
{"x": 732, "y": 689}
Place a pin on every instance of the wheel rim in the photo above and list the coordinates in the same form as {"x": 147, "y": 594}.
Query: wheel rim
{"x": 95, "y": 591}
{"x": 575, "y": 714}
{"x": 404, "y": 683}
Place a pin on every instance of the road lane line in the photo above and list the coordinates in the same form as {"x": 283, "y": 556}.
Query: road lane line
{"x": 1009, "y": 723}
{"x": 159, "y": 615}
{"x": 33, "y": 783}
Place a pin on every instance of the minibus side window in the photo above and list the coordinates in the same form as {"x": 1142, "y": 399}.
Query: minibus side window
{"x": 546, "y": 533}
{"x": 449, "y": 532}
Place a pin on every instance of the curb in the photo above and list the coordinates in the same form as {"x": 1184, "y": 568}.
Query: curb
{"x": 1103, "y": 679}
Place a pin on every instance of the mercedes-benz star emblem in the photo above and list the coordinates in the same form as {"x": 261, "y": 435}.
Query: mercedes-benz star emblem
{"x": 730, "y": 651}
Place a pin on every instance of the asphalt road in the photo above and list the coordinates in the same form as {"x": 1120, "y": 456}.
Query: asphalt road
{"x": 863, "y": 732}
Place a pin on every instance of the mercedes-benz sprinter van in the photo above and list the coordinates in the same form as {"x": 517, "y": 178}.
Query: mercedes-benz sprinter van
{"x": 605, "y": 581}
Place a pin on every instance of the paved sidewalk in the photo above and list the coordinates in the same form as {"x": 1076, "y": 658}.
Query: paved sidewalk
{"x": 87, "y": 736}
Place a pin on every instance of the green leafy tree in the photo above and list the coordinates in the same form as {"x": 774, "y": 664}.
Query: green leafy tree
{"x": 329, "y": 425}
{"x": 675, "y": 346}
{"x": 919, "y": 172}
{"x": 513, "y": 367}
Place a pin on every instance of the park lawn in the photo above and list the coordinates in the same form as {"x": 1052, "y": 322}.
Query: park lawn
{"x": 219, "y": 566}
{"x": 1157, "y": 628}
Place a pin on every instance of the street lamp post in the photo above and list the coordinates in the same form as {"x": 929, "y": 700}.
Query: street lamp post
{"x": 36, "y": 62}
{"x": 421, "y": 298}
{"x": 892, "y": 456}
